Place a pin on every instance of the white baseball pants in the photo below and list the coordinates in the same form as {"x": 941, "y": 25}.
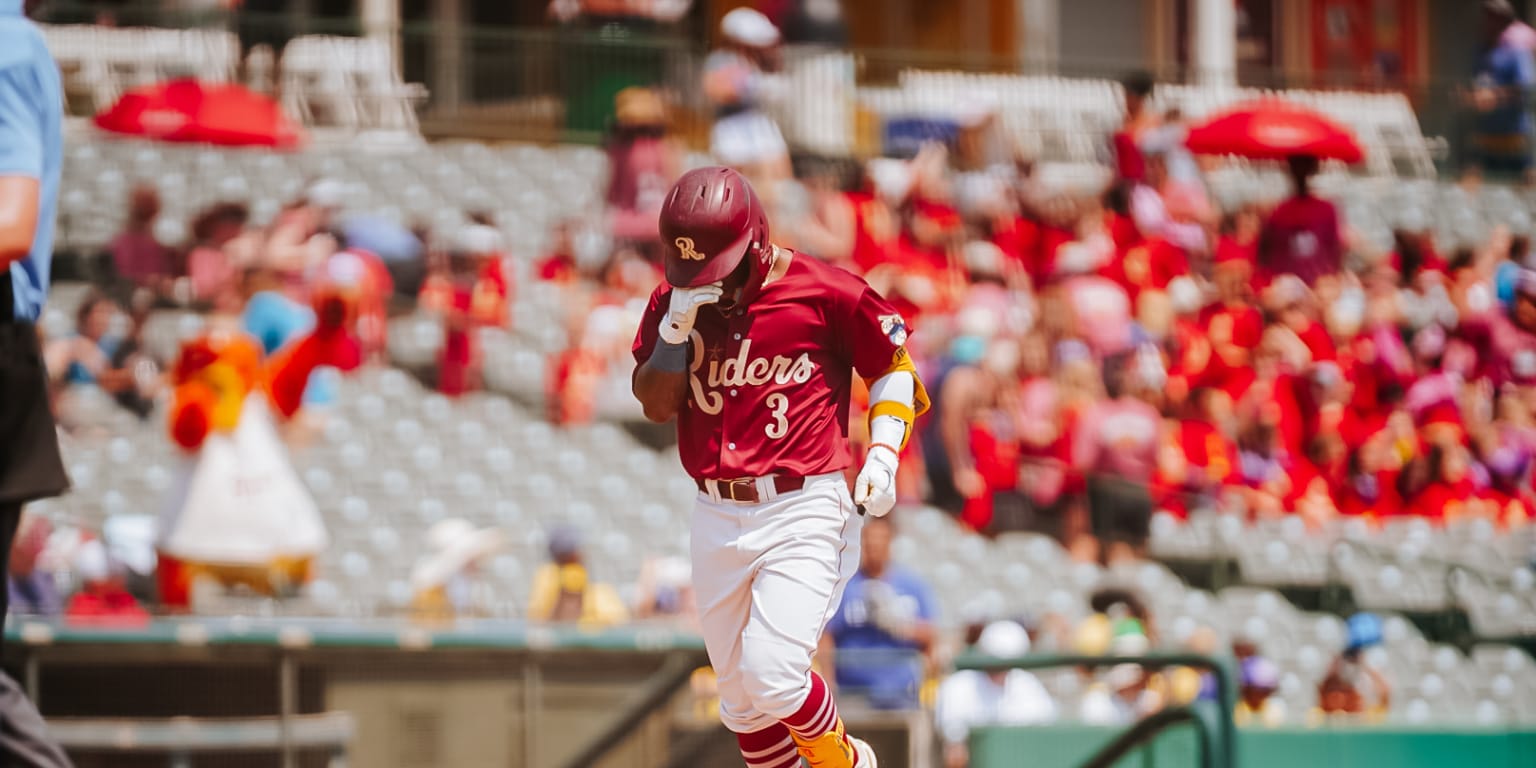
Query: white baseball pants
{"x": 768, "y": 578}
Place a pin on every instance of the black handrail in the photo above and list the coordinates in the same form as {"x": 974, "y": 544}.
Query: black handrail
{"x": 662, "y": 685}
{"x": 1223, "y": 752}
{"x": 1145, "y": 730}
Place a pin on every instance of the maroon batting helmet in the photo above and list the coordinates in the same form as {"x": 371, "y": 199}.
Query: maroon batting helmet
{"x": 711, "y": 221}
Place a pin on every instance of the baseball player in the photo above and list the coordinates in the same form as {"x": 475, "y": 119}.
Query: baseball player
{"x": 753, "y": 348}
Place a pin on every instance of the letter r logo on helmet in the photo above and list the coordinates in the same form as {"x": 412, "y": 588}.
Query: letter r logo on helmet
{"x": 711, "y": 220}
{"x": 686, "y": 250}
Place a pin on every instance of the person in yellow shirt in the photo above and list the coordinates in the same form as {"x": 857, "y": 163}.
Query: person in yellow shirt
{"x": 1256, "y": 705}
{"x": 563, "y": 591}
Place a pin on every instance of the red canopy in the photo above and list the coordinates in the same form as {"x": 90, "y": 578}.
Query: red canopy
{"x": 1275, "y": 130}
{"x": 206, "y": 113}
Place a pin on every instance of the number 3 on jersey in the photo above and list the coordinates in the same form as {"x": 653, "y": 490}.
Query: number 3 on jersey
{"x": 780, "y": 405}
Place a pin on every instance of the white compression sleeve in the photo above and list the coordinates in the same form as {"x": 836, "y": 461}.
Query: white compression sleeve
{"x": 896, "y": 387}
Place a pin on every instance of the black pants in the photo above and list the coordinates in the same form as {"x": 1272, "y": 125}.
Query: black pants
{"x": 1120, "y": 510}
{"x": 30, "y": 468}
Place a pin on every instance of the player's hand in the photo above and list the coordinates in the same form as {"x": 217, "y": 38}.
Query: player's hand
{"x": 875, "y": 487}
{"x": 678, "y": 322}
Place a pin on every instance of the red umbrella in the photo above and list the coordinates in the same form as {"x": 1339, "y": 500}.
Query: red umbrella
{"x": 1275, "y": 130}
{"x": 206, "y": 113}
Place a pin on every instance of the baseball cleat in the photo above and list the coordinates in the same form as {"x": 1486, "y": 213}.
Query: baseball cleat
{"x": 865, "y": 752}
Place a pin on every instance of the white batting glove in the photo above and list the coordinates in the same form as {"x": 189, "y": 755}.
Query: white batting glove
{"x": 678, "y": 322}
{"x": 875, "y": 487}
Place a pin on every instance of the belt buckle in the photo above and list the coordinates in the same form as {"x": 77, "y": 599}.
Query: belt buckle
{"x": 740, "y": 481}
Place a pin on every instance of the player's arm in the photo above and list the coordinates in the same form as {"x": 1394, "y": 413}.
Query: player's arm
{"x": 877, "y": 347}
{"x": 660, "y": 381}
{"x": 21, "y": 169}
{"x": 661, "y": 384}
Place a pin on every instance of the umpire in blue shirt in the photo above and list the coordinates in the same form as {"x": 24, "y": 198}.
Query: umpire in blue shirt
{"x": 31, "y": 150}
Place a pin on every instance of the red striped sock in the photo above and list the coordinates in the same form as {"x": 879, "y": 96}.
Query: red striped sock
{"x": 771, "y": 747}
{"x": 818, "y": 715}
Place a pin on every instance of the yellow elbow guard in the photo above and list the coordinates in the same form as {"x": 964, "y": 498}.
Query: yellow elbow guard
{"x": 906, "y": 413}
{"x": 900, "y": 411}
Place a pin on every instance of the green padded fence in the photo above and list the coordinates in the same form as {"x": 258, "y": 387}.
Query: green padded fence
{"x": 1337, "y": 747}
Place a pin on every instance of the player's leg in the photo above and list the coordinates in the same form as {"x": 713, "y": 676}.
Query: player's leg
{"x": 723, "y": 593}
{"x": 811, "y": 549}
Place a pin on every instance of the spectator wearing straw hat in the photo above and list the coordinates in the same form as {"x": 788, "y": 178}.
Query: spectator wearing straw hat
{"x": 644, "y": 161}
{"x": 446, "y": 580}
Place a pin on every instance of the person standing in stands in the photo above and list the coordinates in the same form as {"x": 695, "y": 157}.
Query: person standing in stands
{"x": 1115, "y": 448}
{"x": 1303, "y": 235}
{"x": 31, "y": 158}
{"x": 257, "y": 23}
{"x": 1501, "y": 93}
{"x": 1130, "y": 164}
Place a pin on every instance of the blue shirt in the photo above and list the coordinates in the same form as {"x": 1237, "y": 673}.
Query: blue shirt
{"x": 275, "y": 320}
{"x": 79, "y": 374}
{"x": 31, "y": 142}
{"x": 869, "y": 659}
{"x": 1507, "y": 66}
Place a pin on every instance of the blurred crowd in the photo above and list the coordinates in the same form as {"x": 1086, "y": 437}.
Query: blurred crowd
{"x": 1103, "y": 351}
{"x": 1098, "y": 353}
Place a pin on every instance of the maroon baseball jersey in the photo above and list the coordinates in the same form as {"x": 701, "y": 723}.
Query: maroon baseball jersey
{"x": 769, "y": 382}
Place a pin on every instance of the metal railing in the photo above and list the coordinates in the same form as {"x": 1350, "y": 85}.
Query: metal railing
{"x": 182, "y": 738}
{"x": 1218, "y": 746}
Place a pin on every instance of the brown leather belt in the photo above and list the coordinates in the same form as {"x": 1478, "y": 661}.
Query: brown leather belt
{"x": 744, "y": 490}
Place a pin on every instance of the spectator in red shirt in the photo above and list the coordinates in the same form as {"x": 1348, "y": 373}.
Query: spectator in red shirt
{"x": 1238, "y": 238}
{"x": 1371, "y": 486}
{"x": 137, "y": 255}
{"x": 828, "y": 228}
{"x": 1043, "y": 448}
{"x": 1130, "y": 165}
{"x": 211, "y": 267}
{"x": 560, "y": 265}
{"x": 1439, "y": 485}
{"x": 933, "y": 226}
{"x": 876, "y": 212}
{"x": 1294, "y": 307}
{"x": 467, "y": 299}
{"x": 1233, "y": 329}
{"x": 102, "y": 600}
{"x": 1413, "y": 251}
{"x": 1197, "y": 459}
{"x": 1302, "y": 235}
